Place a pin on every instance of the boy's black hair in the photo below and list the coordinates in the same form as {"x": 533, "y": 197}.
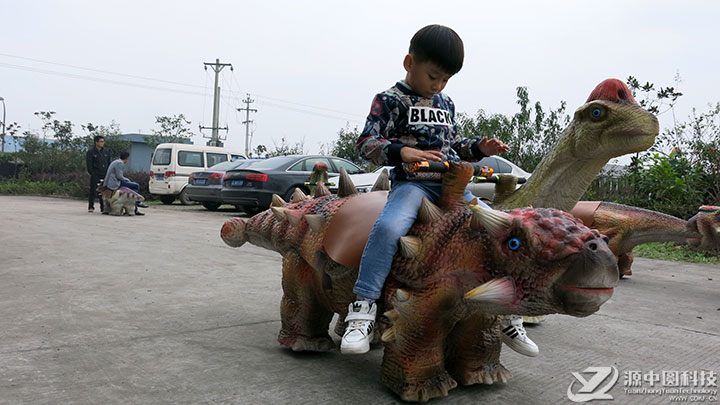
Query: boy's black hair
{"x": 440, "y": 45}
{"x": 124, "y": 155}
{"x": 98, "y": 137}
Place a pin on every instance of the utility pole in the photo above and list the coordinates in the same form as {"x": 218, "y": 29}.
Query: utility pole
{"x": 247, "y": 121}
{"x": 215, "y": 137}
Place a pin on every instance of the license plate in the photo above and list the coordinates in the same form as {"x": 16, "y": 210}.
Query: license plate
{"x": 236, "y": 183}
{"x": 160, "y": 178}
{"x": 200, "y": 181}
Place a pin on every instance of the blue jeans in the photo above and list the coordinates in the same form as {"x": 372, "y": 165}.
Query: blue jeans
{"x": 132, "y": 186}
{"x": 394, "y": 222}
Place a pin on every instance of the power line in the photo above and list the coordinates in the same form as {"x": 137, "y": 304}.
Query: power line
{"x": 247, "y": 121}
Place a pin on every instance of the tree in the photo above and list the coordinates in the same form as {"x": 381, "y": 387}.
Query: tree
{"x": 531, "y": 133}
{"x": 172, "y": 129}
{"x": 345, "y": 146}
{"x": 284, "y": 149}
{"x": 113, "y": 137}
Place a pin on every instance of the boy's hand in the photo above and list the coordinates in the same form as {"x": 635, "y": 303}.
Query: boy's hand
{"x": 409, "y": 154}
{"x": 492, "y": 146}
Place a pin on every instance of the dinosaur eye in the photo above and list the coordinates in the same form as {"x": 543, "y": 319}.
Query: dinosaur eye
{"x": 597, "y": 113}
{"x": 514, "y": 243}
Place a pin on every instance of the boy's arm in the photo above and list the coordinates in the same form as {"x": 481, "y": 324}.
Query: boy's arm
{"x": 377, "y": 143}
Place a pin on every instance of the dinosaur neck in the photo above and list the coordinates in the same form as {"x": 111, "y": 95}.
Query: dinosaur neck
{"x": 556, "y": 183}
{"x": 644, "y": 226}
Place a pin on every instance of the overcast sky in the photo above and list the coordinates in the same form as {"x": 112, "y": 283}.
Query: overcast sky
{"x": 313, "y": 66}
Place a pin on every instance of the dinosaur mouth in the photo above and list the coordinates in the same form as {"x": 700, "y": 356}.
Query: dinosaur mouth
{"x": 583, "y": 301}
{"x": 600, "y": 290}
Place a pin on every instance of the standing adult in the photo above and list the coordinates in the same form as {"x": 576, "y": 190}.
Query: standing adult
{"x": 97, "y": 159}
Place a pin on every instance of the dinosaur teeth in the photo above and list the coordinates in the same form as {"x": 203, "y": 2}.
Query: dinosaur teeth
{"x": 345, "y": 184}
{"x": 500, "y": 291}
{"x": 277, "y": 201}
{"x": 321, "y": 190}
{"x": 409, "y": 246}
{"x": 494, "y": 221}
{"x": 316, "y": 222}
{"x": 383, "y": 182}
{"x": 299, "y": 196}
{"x": 429, "y": 212}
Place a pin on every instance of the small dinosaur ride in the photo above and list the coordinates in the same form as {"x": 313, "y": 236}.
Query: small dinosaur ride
{"x": 459, "y": 266}
{"x": 121, "y": 201}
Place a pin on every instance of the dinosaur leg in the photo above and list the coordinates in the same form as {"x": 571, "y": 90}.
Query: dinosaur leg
{"x": 473, "y": 351}
{"x": 304, "y": 320}
{"x": 413, "y": 365}
{"x": 625, "y": 262}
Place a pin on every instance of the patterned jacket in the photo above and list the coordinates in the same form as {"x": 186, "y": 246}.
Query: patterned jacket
{"x": 400, "y": 117}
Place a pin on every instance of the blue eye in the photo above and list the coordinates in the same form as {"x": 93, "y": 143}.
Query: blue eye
{"x": 514, "y": 243}
{"x": 596, "y": 113}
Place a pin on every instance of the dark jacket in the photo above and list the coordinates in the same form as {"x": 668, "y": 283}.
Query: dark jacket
{"x": 97, "y": 161}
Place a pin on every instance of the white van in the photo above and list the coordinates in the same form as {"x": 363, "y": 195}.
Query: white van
{"x": 172, "y": 164}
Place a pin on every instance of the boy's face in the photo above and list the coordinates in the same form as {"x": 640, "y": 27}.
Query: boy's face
{"x": 425, "y": 78}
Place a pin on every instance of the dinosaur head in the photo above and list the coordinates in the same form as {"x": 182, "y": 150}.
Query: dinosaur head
{"x": 611, "y": 124}
{"x": 705, "y": 224}
{"x": 542, "y": 261}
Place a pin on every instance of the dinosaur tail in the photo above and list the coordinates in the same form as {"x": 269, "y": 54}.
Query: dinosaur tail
{"x": 233, "y": 232}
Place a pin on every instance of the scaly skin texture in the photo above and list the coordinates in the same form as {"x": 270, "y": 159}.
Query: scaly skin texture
{"x": 585, "y": 146}
{"x": 458, "y": 267}
{"x": 121, "y": 201}
{"x": 628, "y": 227}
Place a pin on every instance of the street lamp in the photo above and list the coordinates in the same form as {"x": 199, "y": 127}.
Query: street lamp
{"x": 3, "y": 123}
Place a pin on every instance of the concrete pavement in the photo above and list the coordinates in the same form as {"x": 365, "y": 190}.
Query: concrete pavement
{"x": 157, "y": 309}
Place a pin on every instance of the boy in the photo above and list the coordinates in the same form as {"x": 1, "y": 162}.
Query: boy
{"x": 412, "y": 121}
{"x": 114, "y": 179}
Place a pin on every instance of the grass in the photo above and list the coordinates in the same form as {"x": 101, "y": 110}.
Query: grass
{"x": 670, "y": 251}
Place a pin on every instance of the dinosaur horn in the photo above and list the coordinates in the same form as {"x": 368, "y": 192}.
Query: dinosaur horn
{"x": 409, "y": 246}
{"x": 321, "y": 190}
{"x": 345, "y": 184}
{"x": 277, "y": 201}
{"x": 279, "y": 213}
{"x": 315, "y": 221}
{"x": 294, "y": 216}
{"x": 500, "y": 291}
{"x": 299, "y": 196}
{"x": 233, "y": 232}
{"x": 429, "y": 212}
{"x": 496, "y": 222}
{"x": 383, "y": 181}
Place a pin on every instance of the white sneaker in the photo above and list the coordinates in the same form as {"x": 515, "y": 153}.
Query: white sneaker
{"x": 515, "y": 337}
{"x": 359, "y": 332}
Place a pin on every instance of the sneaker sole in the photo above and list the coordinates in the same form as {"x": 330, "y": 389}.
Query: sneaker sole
{"x": 355, "y": 350}
{"x": 517, "y": 348}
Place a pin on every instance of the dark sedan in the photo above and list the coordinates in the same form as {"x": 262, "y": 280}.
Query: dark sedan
{"x": 251, "y": 188}
{"x": 204, "y": 187}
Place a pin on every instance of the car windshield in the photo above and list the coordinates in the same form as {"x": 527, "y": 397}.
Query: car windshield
{"x": 273, "y": 163}
{"x": 235, "y": 164}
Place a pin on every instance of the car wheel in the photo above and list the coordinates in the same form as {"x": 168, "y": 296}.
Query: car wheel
{"x": 184, "y": 200}
{"x": 167, "y": 199}
{"x": 289, "y": 194}
{"x": 212, "y": 206}
{"x": 251, "y": 210}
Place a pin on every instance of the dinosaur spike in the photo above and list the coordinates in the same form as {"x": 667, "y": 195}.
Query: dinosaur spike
{"x": 392, "y": 315}
{"x": 612, "y": 90}
{"x": 383, "y": 181}
{"x": 277, "y": 201}
{"x": 294, "y": 216}
{"x": 321, "y": 190}
{"x": 388, "y": 336}
{"x": 429, "y": 212}
{"x": 474, "y": 201}
{"x": 316, "y": 222}
{"x": 401, "y": 295}
{"x": 233, "y": 232}
{"x": 279, "y": 213}
{"x": 500, "y": 291}
{"x": 345, "y": 184}
{"x": 299, "y": 196}
{"x": 496, "y": 222}
{"x": 454, "y": 181}
{"x": 409, "y": 246}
